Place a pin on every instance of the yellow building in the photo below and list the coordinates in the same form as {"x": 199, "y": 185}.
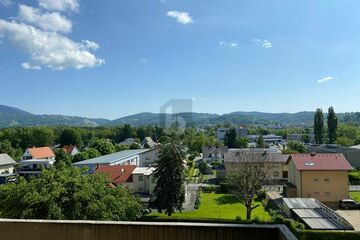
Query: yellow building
{"x": 320, "y": 176}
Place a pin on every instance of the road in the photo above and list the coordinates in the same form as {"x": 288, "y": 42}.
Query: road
{"x": 190, "y": 196}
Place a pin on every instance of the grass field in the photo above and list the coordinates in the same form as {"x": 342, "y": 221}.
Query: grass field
{"x": 355, "y": 196}
{"x": 219, "y": 206}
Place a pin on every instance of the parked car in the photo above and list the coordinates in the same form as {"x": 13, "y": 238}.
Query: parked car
{"x": 349, "y": 204}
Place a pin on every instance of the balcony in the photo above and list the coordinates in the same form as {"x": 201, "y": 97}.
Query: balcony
{"x": 96, "y": 230}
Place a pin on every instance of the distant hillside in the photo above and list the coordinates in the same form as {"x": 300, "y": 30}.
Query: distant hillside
{"x": 156, "y": 118}
{"x": 13, "y": 117}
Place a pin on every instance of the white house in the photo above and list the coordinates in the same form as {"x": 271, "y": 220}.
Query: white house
{"x": 34, "y": 159}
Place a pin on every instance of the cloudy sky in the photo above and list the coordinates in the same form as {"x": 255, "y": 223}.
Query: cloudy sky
{"x": 116, "y": 58}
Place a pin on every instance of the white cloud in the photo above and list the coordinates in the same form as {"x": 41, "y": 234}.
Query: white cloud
{"x": 27, "y": 65}
{"x": 46, "y": 21}
{"x": 228, "y": 44}
{"x": 181, "y": 17}
{"x": 264, "y": 43}
{"x": 325, "y": 79}
{"x": 6, "y": 3}
{"x": 59, "y": 5}
{"x": 49, "y": 49}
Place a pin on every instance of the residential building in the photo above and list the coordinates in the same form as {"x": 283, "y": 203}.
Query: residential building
{"x": 71, "y": 149}
{"x": 214, "y": 153}
{"x": 143, "y": 180}
{"x": 269, "y": 138}
{"x": 147, "y": 142}
{"x": 117, "y": 175}
{"x": 7, "y": 164}
{"x": 352, "y": 154}
{"x": 139, "y": 179}
{"x": 320, "y": 176}
{"x": 136, "y": 157}
{"x": 240, "y": 132}
{"x": 271, "y": 159}
{"x": 34, "y": 159}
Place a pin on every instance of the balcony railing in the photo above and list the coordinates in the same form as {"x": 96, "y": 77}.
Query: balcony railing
{"x": 96, "y": 230}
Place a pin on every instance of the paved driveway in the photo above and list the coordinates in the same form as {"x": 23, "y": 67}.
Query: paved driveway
{"x": 352, "y": 216}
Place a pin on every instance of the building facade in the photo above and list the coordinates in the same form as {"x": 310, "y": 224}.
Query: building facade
{"x": 320, "y": 176}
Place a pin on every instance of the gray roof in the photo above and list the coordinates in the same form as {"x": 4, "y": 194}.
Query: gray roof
{"x": 114, "y": 157}
{"x": 254, "y": 154}
{"x": 208, "y": 150}
{"x": 6, "y": 159}
{"x": 301, "y": 203}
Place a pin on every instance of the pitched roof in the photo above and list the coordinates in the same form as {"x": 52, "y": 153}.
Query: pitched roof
{"x": 320, "y": 161}
{"x": 68, "y": 148}
{"x": 117, "y": 174}
{"x": 6, "y": 159}
{"x": 41, "y": 152}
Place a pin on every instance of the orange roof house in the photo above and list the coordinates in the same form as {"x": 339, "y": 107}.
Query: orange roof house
{"x": 40, "y": 153}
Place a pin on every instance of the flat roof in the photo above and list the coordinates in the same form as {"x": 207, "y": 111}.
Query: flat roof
{"x": 114, "y": 157}
{"x": 301, "y": 203}
{"x": 320, "y": 223}
{"x": 144, "y": 170}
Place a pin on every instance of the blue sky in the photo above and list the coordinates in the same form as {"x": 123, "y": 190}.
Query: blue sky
{"x": 114, "y": 58}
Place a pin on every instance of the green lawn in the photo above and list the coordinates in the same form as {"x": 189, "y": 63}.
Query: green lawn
{"x": 355, "y": 196}
{"x": 219, "y": 206}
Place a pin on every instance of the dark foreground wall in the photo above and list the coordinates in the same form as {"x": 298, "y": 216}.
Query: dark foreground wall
{"x": 95, "y": 230}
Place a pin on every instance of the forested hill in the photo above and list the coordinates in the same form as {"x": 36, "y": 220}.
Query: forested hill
{"x": 12, "y": 117}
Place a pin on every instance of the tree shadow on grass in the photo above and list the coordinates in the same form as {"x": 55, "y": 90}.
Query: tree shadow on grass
{"x": 226, "y": 199}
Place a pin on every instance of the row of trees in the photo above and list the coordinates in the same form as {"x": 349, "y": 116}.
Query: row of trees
{"x": 332, "y": 125}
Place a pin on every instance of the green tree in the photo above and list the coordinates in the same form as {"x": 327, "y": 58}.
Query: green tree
{"x": 296, "y": 147}
{"x": 242, "y": 142}
{"x": 70, "y": 136}
{"x": 62, "y": 157}
{"x": 103, "y": 146}
{"x": 65, "y": 193}
{"x": 245, "y": 180}
{"x": 202, "y": 167}
{"x": 260, "y": 142}
{"x": 332, "y": 123}
{"x": 230, "y": 138}
{"x": 42, "y": 136}
{"x": 170, "y": 177}
{"x": 319, "y": 126}
{"x": 5, "y": 147}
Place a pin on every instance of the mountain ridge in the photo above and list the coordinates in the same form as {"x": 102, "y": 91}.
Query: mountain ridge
{"x": 15, "y": 117}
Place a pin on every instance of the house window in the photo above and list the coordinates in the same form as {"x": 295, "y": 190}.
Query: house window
{"x": 316, "y": 194}
{"x": 316, "y": 180}
{"x": 141, "y": 178}
{"x": 327, "y": 180}
{"x": 276, "y": 174}
{"x": 327, "y": 194}
{"x": 153, "y": 180}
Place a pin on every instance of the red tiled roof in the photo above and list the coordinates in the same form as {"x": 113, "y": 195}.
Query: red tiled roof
{"x": 41, "y": 152}
{"x": 68, "y": 148}
{"x": 117, "y": 174}
{"x": 320, "y": 161}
